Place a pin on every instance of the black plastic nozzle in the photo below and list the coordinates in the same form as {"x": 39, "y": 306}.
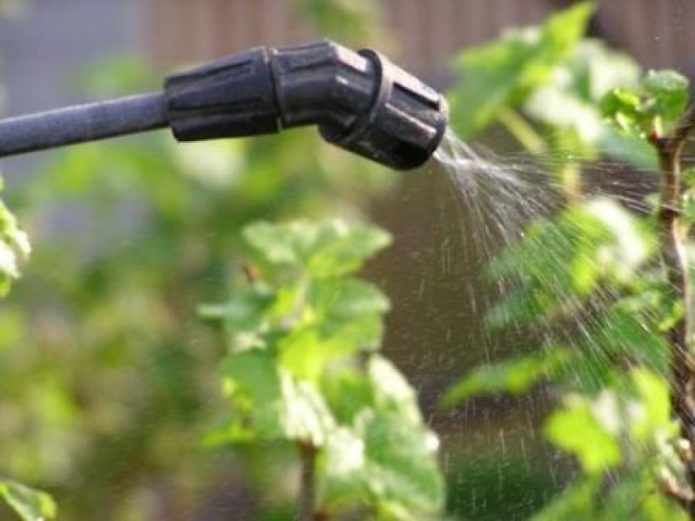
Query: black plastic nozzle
{"x": 360, "y": 101}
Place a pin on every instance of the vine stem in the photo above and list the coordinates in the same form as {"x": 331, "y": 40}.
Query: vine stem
{"x": 673, "y": 235}
{"x": 307, "y": 486}
{"x": 522, "y": 131}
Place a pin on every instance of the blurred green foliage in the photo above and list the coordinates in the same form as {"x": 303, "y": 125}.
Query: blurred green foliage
{"x": 28, "y": 503}
{"x": 588, "y": 278}
{"x": 556, "y": 78}
{"x": 348, "y": 21}
{"x": 106, "y": 373}
{"x": 303, "y": 367}
{"x": 504, "y": 73}
{"x": 107, "y": 377}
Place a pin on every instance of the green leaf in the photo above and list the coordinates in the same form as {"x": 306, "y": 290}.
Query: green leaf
{"x": 585, "y": 430}
{"x": 669, "y": 91}
{"x": 631, "y": 149}
{"x": 400, "y": 467}
{"x": 626, "y": 332}
{"x": 244, "y": 316}
{"x": 345, "y": 299}
{"x": 342, "y": 317}
{"x": 294, "y": 372}
{"x": 14, "y": 247}
{"x": 688, "y": 176}
{"x": 569, "y": 100}
{"x": 504, "y": 73}
{"x": 651, "y": 108}
{"x": 254, "y": 383}
{"x": 574, "y": 504}
{"x": 348, "y": 313}
{"x": 348, "y": 391}
{"x": 340, "y": 250}
{"x": 327, "y": 249}
{"x": 344, "y": 464}
{"x": 29, "y": 504}
{"x": 560, "y": 263}
{"x": 623, "y": 105}
{"x": 271, "y": 403}
{"x": 278, "y": 244}
{"x": 306, "y": 416}
{"x": 688, "y": 206}
{"x": 511, "y": 376}
{"x": 392, "y": 392}
{"x": 306, "y": 351}
{"x": 387, "y": 456}
{"x": 653, "y": 417}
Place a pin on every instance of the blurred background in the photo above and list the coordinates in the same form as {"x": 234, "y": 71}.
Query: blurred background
{"x": 105, "y": 370}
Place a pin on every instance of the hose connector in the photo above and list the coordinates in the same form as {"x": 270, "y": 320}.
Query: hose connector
{"x": 360, "y": 101}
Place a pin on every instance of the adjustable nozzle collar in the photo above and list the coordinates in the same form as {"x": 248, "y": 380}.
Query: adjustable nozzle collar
{"x": 360, "y": 101}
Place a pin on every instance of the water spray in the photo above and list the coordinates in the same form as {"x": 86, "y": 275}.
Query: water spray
{"x": 360, "y": 101}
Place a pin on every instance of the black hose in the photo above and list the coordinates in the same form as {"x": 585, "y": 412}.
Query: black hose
{"x": 82, "y": 123}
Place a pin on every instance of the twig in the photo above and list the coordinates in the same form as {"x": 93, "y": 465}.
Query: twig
{"x": 307, "y": 490}
{"x": 673, "y": 233}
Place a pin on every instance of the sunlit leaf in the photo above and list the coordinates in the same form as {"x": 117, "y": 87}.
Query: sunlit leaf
{"x": 653, "y": 107}
{"x": 254, "y": 383}
{"x": 510, "y": 376}
{"x": 392, "y": 392}
{"x": 348, "y": 391}
{"x": 325, "y": 249}
{"x": 342, "y": 317}
{"x": 387, "y": 454}
{"x": 14, "y": 248}
{"x": 505, "y": 72}
{"x": 29, "y": 504}
{"x": 340, "y": 250}
{"x": 561, "y": 262}
{"x": 653, "y": 417}
{"x": 669, "y": 91}
{"x": 278, "y": 244}
{"x": 583, "y": 431}
{"x": 400, "y": 468}
{"x": 276, "y": 405}
{"x": 306, "y": 416}
{"x": 243, "y": 316}
{"x": 345, "y": 299}
{"x": 569, "y": 99}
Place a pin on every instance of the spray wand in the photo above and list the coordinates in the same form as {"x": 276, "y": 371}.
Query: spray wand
{"x": 359, "y": 100}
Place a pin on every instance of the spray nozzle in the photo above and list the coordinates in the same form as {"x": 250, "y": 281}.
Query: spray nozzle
{"x": 359, "y": 100}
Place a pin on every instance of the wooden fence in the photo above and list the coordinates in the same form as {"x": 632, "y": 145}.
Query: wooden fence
{"x": 426, "y": 33}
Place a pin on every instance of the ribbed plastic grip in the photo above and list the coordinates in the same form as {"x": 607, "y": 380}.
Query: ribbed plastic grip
{"x": 231, "y": 97}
